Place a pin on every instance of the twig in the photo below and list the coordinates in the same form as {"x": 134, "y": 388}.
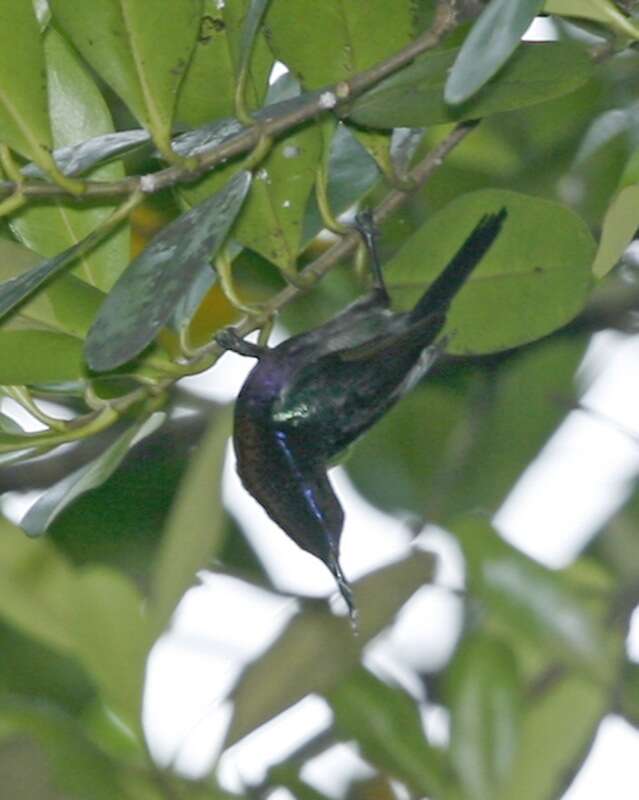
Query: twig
{"x": 332, "y": 98}
{"x": 342, "y": 249}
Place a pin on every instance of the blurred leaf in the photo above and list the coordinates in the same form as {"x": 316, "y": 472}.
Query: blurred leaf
{"x": 34, "y": 672}
{"x": 94, "y": 615}
{"x": 493, "y": 39}
{"x": 509, "y": 423}
{"x": 619, "y": 227}
{"x": 538, "y": 601}
{"x": 414, "y": 97}
{"x": 24, "y": 120}
{"x": 38, "y": 356}
{"x": 144, "y": 298}
{"x": 73, "y": 764}
{"x": 141, "y": 50}
{"x": 628, "y": 698}
{"x": 78, "y": 111}
{"x": 603, "y": 11}
{"x": 527, "y": 285}
{"x": 25, "y": 771}
{"x": 318, "y": 649}
{"x": 386, "y": 724}
{"x": 485, "y": 698}
{"x": 479, "y": 429}
{"x": 90, "y": 476}
{"x": 558, "y": 728}
{"x": 194, "y": 531}
{"x": 35, "y": 593}
{"x": 112, "y": 638}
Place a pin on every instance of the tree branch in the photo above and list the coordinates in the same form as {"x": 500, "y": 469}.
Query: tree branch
{"x": 290, "y": 115}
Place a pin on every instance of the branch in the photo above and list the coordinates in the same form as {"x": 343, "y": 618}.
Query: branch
{"x": 333, "y": 98}
{"x": 342, "y": 249}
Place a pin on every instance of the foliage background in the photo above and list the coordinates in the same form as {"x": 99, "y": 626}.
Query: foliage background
{"x": 132, "y": 509}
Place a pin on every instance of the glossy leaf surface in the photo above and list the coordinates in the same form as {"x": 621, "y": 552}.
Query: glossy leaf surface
{"x": 492, "y": 40}
{"x": 414, "y": 97}
{"x": 144, "y": 298}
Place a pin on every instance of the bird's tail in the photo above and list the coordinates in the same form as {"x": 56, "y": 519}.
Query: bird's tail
{"x": 440, "y": 293}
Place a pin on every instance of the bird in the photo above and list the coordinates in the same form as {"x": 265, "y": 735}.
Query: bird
{"x": 310, "y": 397}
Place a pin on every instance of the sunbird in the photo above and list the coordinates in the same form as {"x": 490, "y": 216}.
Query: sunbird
{"x": 309, "y": 398}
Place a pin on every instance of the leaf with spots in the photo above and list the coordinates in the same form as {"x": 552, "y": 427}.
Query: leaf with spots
{"x": 334, "y": 40}
{"x": 144, "y": 298}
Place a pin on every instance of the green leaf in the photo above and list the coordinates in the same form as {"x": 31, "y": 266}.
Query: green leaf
{"x": 318, "y": 649}
{"x": 540, "y": 603}
{"x": 75, "y": 159}
{"x": 68, "y": 304}
{"x": 31, "y": 671}
{"x": 272, "y": 219}
{"x": 195, "y": 528}
{"x": 252, "y": 22}
{"x": 603, "y": 11}
{"x": 144, "y": 298}
{"x": 141, "y": 50}
{"x": 90, "y": 476}
{"x": 351, "y": 173}
{"x": 331, "y": 41}
{"x": 493, "y": 39}
{"x": 16, "y": 290}
{"x": 24, "y": 122}
{"x": 414, "y": 97}
{"x": 208, "y": 89}
{"x": 78, "y": 112}
{"x": 36, "y": 356}
{"x": 619, "y": 228}
{"x": 478, "y": 431}
{"x": 95, "y": 615}
{"x": 529, "y": 283}
{"x": 386, "y": 724}
{"x": 71, "y": 761}
{"x": 111, "y": 637}
{"x": 485, "y": 698}
{"x": 558, "y": 728}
